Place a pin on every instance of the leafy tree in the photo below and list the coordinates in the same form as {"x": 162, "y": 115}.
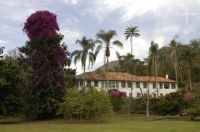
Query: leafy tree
{"x": 106, "y": 38}
{"x": 173, "y": 45}
{"x": 127, "y": 63}
{"x": 70, "y": 77}
{"x": 45, "y": 59}
{"x": 12, "y": 87}
{"x": 131, "y": 32}
{"x": 91, "y": 104}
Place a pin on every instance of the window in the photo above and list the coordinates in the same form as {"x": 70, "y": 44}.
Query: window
{"x": 137, "y": 84}
{"x": 166, "y": 85}
{"x": 106, "y": 84}
{"x": 117, "y": 85}
{"x": 154, "y": 85}
{"x": 113, "y": 84}
{"x": 129, "y": 84}
{"x": 144, "y": 85}
{"x": 96, "y": 83}
{"x": 81, "y": 83}
{"x": 161, "y": 86}
{"x": 173, "y": 85}
{"x": 123, "y": 84}
{"x": 88, "y": 83}
{"x": 102, "y": 84}
{"x": 110, "y": 84}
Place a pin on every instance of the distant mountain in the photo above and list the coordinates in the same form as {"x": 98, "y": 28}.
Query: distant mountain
{"x": 111, "y": 65}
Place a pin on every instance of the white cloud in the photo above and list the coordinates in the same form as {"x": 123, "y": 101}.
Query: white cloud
{"x": 131, "y": 8}
{"x": 70, "y": 35}
{"x": 3, "y": 42}
{"x": 72, "y": 2}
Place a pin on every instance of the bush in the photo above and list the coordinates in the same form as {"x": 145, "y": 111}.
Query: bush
{"x": 12, "y": 87}
{"x": 171, "y": 104}
{"x": 85, "y": 104}
{"x": 194, "y": 111}
{"x": 118, "y": 100}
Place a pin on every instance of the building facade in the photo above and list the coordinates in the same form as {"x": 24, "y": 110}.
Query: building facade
{"x": 131, "y": 84}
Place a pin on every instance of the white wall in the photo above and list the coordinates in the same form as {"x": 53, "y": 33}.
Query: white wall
{"x": 136, "y": 90}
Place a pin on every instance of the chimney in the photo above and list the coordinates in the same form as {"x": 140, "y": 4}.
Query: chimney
{"x": 166, "y": 76}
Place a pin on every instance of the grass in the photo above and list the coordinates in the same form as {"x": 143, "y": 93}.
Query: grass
{"x": 112, "y": 124}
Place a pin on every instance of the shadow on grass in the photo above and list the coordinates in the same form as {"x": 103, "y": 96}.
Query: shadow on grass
{"x": 11, "y": 119}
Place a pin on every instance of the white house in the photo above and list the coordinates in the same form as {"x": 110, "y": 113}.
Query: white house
{"x": 128, "y": 83}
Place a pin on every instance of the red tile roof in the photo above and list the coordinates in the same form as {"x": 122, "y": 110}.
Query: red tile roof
{"x": 119, "y": 76}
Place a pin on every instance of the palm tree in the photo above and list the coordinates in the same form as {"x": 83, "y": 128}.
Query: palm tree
{"x": 106, "y": 38}
{"x": 86, "y": 53}
{"x": 131, "y": 32}
{"x": 149, "y": 73}
{"x": 153, "y": 54}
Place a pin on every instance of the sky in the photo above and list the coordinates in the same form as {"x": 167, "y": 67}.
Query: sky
{"x": 157, "y": 20}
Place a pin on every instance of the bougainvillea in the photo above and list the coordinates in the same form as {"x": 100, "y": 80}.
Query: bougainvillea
{"x": 47, "y": 54}
{"x": 41, "y": 24}
{"x": 117, "y": 94}
{"x": 47, "y": 58}
{"x": 189, "y": 97}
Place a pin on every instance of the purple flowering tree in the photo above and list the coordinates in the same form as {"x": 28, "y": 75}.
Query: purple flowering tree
{"x": 45, "y": 58}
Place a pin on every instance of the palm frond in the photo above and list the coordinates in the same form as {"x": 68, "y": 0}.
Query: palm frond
{"x": 98, "y": 48}
{"x": 131, "y": 32}
{"x": 118, "y": 55}
{"x": 118, "y": 43}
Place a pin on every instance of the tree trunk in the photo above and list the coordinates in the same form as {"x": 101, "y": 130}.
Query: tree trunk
{"x": 156, "y": 74}
{"x": 107, "y": 60}
{"x": 148, "y": 100}
{"x": 131, "y": 40}
{"x": 190, "y": 79}
{"x": 84, "y": 81}
{"x": 176, "y": 68}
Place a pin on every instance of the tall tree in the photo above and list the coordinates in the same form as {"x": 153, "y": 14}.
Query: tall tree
{"x": 149, "y": 73}
{"x": 45, "y": 58}
{"x": 106, "y": 38}
{"x": 153, "y": 54}
{"x": 131, "y": 32}
{"x": 187, "y": 56}
{"x": 173, "y": 46}
{"x": 86, "y": 53}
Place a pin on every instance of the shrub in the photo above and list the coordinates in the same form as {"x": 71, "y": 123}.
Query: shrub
{"x": 12, "y": 87}
{"x": 189, "y": 97}
{"x": 194, "y": 111}
{"x": 171, "y": 104}
{"x": 118, "y": 100}
{"x": 85, "y": 104}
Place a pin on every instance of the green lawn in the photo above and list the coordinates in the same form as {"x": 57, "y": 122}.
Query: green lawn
{"x": 112, "y": 124}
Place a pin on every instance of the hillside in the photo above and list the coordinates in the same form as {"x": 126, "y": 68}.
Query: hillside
{"x": 111, "y": 65}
